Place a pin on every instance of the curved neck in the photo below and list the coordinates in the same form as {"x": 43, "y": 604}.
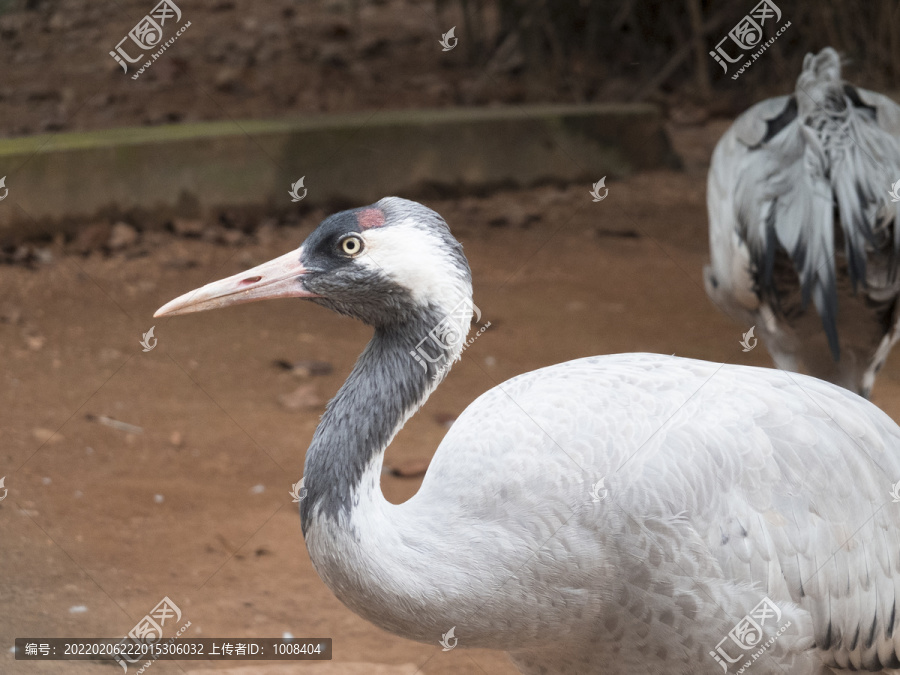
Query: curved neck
{"x": 392, "y": 378}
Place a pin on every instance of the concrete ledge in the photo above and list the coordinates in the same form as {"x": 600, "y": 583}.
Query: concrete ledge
{"x": 356, "y": 158}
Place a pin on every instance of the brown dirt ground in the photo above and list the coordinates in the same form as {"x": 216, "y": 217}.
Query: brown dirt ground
{"x": 558, "y": 276}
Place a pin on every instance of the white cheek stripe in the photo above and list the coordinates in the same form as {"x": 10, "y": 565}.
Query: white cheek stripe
{"x": 413, "y": 258}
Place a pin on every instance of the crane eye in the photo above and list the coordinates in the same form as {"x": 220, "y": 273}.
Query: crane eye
{"x": 351, "y": 245}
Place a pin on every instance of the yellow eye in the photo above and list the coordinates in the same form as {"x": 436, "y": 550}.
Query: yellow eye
{"x": 351, "y": 245}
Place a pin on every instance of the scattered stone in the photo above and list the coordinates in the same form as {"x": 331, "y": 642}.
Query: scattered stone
{"x": 176, "y": 439}
{"x": 42, "y": 435}
{"x": 114, "y": 424}
{"x": 43, "y": 255}
{"x": 50, "y": 124}
{"x": 39, "y": 93}
{"x": 188, "y": 227}
{"x": 688, "y": 115}
{"x": 623, "y": 234}
{"x": 35, "y": 342}
{"x": 257, "y": 489}
{"x": 108, "y": 355}
{"x": 223, "y": 235}
{"x": 265, "y": 233}
{"x": 155, "y": 238}
{"x": 303, "y": 397}
{"x": 333, "y": 55}
{"x": 91, "y": 237}
{"x": 306, "y": 369}
{"x": 232, "y": 237}
{"x": 10, "y": 314}
{"x": 373, "y": 47}
{"x": 445, "y": 419}
{"x": 122, "y": 236}
{"x": 77, "y": 609}
{"x": 227, "y": 79}
{"x": 516, "y": 215}
{"x": 159, "y": 499}
{"x": 59, "y": 22}
{"x": 180, "y": 263}
{"x": 212, "y": 233}
{"x": 17, "y": 255}
{"x": 414, "y": 469}
{"x": 11, "y": 24}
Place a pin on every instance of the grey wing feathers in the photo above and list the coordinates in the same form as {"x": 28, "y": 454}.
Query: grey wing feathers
{"x": 795, "y": 165}
{"x": 832, "y": 542}
{"x": 764, "y": 120}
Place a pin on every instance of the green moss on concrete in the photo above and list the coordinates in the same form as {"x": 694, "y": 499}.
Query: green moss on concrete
{"x": 348, "y": 122}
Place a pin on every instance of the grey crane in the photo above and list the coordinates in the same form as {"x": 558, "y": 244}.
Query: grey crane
{"x": 627, "y": 515}
{"x": 803, "y": 231}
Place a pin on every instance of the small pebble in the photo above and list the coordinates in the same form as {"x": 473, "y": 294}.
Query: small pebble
{"x": 257, "y": 489}
{"x": 188, "y": 227}
{"x": 303, "y": 397}
{"x": 159, "y": 499}
{"x": 413, "y": 469}
{"x": 43, "y": 255}
{"x": 122, "y": 236}
{"x": 35, "y": 342}
{"x": 77, "y": 609}
{"x": 307, "y": 368}
{"x": 44, "y": 435}
{"x": 445, "y": 419}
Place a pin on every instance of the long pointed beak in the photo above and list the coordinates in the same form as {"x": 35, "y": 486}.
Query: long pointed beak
{"x": 281, "y": 277}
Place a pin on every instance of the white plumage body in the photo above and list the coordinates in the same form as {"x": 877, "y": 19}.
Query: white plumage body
{"x": 721, "y": 485}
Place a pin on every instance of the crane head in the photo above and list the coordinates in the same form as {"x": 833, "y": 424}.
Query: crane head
{"x": 381, "y": 264}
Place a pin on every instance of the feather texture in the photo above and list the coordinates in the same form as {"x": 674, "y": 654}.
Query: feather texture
{"x": 803, "y": 235}
{"x": 722, "y": 485}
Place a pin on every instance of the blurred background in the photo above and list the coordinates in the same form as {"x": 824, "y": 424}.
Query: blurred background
{"x": 247, "y": 60}
{"x": 140, "y": 467}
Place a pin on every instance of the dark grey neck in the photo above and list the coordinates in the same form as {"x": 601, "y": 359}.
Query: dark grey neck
{"x": 385, "y": 387}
